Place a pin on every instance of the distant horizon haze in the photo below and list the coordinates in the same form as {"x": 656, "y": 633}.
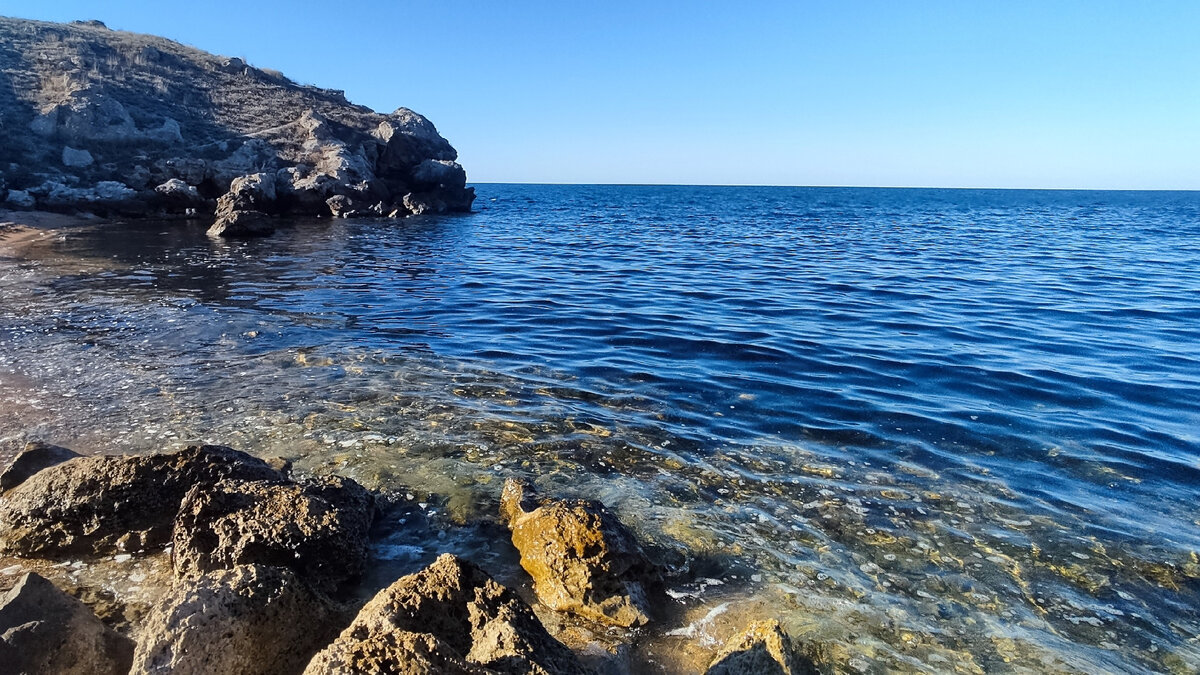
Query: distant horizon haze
{"x": 1024, "y": 95}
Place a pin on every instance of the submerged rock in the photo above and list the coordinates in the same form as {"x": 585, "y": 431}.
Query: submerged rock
{"x": 252, "y": 620}
{"x": 241, "y": 224}
{"x": 582, "y": 559}
{"x": 763, "y": 649}
{"x": 316, "y": 528}
{"x": 450, "y": 617}
{"x": 46, "y": 631}
{"x": 106, "y": 503}
{"x": 35, "y": 457}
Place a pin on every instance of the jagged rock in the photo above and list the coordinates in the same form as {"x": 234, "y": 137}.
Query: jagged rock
{"x": 176, "y": 196}
{"x": 76, "y": 158}
{"x": 317, "y": 528}
{"x": 339, "y": 205}
{"x": 763, "y": 649}
{"x": 105, "y": 195}
{"x": 450, "y": 617}
{"x": 252, "y": 192}
{"x": 44, "y": 631}
{"x": 251, "y": 620}
{"x": 107, "y": 503}
{"x": 35, "y": 457}
{"x": 136, "y": 100}
{"x": 582, "y": 559}
{"x": 241, "y": 224}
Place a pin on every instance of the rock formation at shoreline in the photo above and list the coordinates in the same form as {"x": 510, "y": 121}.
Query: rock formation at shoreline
{"x": 118, "y": 123}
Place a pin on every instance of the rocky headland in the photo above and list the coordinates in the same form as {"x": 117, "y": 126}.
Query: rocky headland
{"x": 120, "y": 124}
{"x": 241, "y": 567}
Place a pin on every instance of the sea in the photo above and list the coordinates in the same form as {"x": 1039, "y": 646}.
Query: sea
{"x": 933, "y": 430}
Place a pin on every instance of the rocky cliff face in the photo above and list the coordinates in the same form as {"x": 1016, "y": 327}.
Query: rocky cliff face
{"x": 120, "y": 123}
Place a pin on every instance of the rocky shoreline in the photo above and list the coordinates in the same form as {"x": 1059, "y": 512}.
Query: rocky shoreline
{"x": 254, "y": 570}
{"x": 120, "y": 124}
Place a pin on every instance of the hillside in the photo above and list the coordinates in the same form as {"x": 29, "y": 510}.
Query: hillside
{"x": 114, "y": 122}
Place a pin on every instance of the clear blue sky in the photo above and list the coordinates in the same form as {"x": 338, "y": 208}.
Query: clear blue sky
{"x": 1091, "y": 94}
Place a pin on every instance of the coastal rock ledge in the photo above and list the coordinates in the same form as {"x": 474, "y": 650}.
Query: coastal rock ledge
{"x": 123, "y": 124}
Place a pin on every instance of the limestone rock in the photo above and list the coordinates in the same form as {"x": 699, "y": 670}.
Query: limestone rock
{"x": 76, "y": 158}
{"x": 339, "y": 205}
{"x": 35, "y": 457}
{"x": 317, "y": 528}
{"x": 46, "y": 631}
{"x": 241, "y": 224}
{"x": 765, "y": 649}
{"x": 177, "y": 196}
{"x": 435, "y": 173}
{"x": 250, "y": 620}
{"x": 252, "y": 192}
{"x": 582, "y": 559}
{"x": 106, "y": 503}
{"x": 449, "y": 617}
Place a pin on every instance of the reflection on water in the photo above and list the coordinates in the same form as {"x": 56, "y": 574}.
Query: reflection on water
{"x": 937, "y": 429}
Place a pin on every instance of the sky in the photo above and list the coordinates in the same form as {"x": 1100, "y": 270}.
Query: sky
{"x": 1051, "y": 94}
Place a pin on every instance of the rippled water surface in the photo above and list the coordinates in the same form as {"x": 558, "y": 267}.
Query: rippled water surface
{"x": 938, "y": 429}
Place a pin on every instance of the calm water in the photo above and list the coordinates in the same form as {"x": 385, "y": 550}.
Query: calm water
{"x": 942, "y": 429}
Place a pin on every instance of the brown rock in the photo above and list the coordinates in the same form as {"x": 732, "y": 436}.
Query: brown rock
{"x": 250, "y": 620}
{"x": 449, "y": 617}
{"x": 317, "y": 528}
{"x": 35, "y": 457}
{"x": 106, "y": 503}
{"x": 46, "y": 631}
{"x": 762, "y": 649}
{"x": 582, "y": 559}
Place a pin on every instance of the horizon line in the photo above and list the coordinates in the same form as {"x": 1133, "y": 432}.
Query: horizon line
{"x": 842, "y": 187}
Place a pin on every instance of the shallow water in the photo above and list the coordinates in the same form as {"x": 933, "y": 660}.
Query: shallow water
{"x": 941, "y": 429}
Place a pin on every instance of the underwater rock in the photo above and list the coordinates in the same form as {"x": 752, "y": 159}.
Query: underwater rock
{"x": 35, "y": 457}
{"x": 763, "y": 649}
{"x": 582, "y": 559}
{"x": 450, "y": 617}
{"x": 252, "y": 620}
{"x": 108, "y": 503}
{"x": 46, "y": 631}
{"x": 316, "y": 528}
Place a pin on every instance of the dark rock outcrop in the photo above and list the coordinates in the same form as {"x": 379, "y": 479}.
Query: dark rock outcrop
{"x": 96, "y": 119}
{"x": 582, "y": 559}
{"x": 317, "y": 528}
{"x": 252, "y": 620}
{"x": 35, "y": 457}
{"x": 44, "y": 631}
{"x": 763, "y": 648}
{"x": 101, "y": 504}
{"x": 450, "y": 617}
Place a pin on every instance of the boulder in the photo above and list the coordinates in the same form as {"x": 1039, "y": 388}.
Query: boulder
{"x": 449, "y": 617}
{"x": 582, "y": 559}
{"x": 251, "y": 192}
{"x": 241, "y": 224}
{"x": 35, "y": 457}
{"x": 317, "y": 528}
{"x": 339, "y": 205}
{"x": 107, "y": 503}
{"x": 764, "y": 649}
{"x": 251, "y": 620}
{"x": 177, "y": 196}
{"x": 76, "y": 158}
{"x": 46, "y": 631}
{"x": 437, "y": 173}
{"x": 20, "y": 199}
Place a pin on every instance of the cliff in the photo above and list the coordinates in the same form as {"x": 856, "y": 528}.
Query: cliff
{"x": 118, "y": 123}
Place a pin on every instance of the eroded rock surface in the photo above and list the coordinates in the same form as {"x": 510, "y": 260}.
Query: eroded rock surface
{"x": 44, "y": 631}
{"x": 105, "y": 503}
{"x": 765, "y": 649}
{"x": 95, "y": 119}
{"x": 581, "y": 557}
{"x": 250, "y": 620}
{"x": 450, "y": 617}
{"x": 317, "y": 528}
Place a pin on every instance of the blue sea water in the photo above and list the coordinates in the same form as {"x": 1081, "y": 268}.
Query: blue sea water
{"x": 946, "y": 429}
